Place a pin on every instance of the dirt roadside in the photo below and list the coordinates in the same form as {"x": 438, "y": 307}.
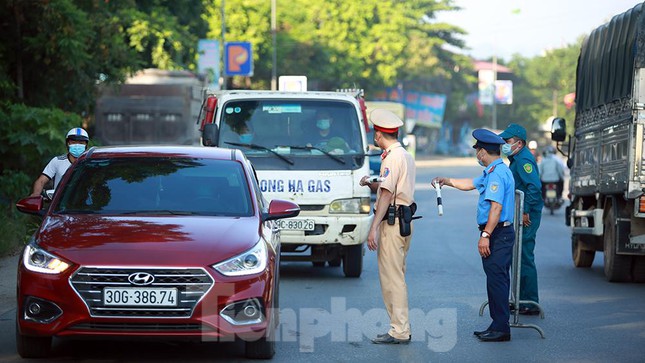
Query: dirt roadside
{"x": 8, "y": 275}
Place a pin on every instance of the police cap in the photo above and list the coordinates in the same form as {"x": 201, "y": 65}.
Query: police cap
{"x": 514, "y": 130}
{"x": 385, "y": 121}
{"x": 487, "y": 139}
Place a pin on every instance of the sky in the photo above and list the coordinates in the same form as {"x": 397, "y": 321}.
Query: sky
{"x": 528, "y": 27}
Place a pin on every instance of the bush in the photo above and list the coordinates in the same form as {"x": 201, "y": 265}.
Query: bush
{"x": 29, "y": 138}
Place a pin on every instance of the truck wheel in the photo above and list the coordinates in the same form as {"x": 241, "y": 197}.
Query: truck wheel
{"x": 32, "y": 347}
{"x": 581, "y": 256}
{"x": 638, "y": 273}
{"x": 353, "y": 261}
{"x": 618, "y": 268}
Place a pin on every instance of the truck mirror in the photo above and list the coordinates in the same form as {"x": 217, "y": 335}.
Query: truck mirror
{"x": 558, "y": 129}
{"x": 210, "y": 135}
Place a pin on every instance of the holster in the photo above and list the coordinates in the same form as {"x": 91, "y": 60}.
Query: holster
{"x": 405, "y": 218}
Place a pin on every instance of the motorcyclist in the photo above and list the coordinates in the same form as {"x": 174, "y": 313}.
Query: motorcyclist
{"x": 551, "y": 171}
{"x": 76, "y": 142}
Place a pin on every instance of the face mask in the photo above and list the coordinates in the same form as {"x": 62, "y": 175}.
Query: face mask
{"x": 76, "y": 149}
{"x": 323, "y": 124}
{"x": 507, "y": 149}
{"x": 481, "y": 163}
{"x": 246, "y": 138}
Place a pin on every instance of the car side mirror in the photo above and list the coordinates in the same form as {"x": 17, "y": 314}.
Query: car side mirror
{"x": 279, "y": 209}
{"x": 558, "y": 129}
{"x": 210, "y": 135}
{"x": 31, "y": 205}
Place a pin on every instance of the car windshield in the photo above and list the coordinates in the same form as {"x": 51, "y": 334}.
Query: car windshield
{"x": 306, "y": 133}
{"x": 156, "y": 186}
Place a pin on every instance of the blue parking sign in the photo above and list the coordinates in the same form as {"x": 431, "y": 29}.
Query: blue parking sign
{"x": 238, "y": 59}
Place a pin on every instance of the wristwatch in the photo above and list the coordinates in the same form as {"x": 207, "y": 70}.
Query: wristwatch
{"x": 485, "y": 234}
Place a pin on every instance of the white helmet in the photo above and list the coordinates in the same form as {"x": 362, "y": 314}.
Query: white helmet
{"x": 77, "y": 134}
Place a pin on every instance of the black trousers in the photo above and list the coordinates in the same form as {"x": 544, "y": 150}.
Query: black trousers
{"x": 498, "y": 281}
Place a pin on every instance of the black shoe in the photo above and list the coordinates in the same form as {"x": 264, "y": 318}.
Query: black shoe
{"x": 388, "y": 339}
{"x": 495, "y": 336}
{"x": 511, "y": 307}
{"x": 529, "y": 311}
{"x": 480, "y": 333}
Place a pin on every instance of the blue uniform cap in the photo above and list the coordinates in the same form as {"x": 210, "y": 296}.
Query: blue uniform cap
{"x": 514, "y": 130}
{"x": 487, "y": 139}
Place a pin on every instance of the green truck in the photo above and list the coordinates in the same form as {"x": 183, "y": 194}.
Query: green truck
{"x": 606, "y": 159}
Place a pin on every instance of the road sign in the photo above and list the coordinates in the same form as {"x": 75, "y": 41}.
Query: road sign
{"x": 238, "y": 59}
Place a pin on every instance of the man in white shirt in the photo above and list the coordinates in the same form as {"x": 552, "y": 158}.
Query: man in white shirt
{"x": 551, "y": 171}
{"x": 76, "y": 141}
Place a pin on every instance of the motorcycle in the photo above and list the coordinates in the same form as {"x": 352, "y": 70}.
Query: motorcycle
{"x": 551, "y": 199}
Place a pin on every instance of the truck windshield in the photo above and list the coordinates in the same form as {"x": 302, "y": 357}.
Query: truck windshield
{"x": 314, "y": 134}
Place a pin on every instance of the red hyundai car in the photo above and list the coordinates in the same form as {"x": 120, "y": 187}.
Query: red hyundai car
{"x": 168, "y": 242}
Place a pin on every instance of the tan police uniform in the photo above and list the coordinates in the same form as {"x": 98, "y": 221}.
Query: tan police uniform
{"x": 399, "y": 172}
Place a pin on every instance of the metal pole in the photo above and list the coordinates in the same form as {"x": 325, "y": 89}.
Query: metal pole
{"x": 223, "y": 41}
{"x": 274, "y": 71}
{"x": 494, "y": 92}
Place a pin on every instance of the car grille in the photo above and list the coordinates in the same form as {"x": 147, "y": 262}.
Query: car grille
{"x": 128, "y": 327}
{"x": 191, "y": 284}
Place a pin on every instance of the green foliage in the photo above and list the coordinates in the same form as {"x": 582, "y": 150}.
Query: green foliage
{"x": 540, "y": 86}
{"x": 339, "y": 44}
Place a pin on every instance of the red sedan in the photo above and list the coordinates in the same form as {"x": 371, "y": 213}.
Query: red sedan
{"x": 168, "y": 242}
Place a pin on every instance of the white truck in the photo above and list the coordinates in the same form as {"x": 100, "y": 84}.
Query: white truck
{"x": 277, "y": 131}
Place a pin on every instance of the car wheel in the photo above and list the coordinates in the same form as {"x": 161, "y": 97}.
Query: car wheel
{"x": 353, "y": 261}
{"x": 32, "y": 347}
{"x": 263, "y": 348}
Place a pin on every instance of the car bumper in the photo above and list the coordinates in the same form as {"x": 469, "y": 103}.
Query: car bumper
{"x": 344, "y": 230}
{"x": 206, "y": 321}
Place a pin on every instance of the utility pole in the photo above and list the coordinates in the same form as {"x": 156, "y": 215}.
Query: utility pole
{"x": 223, "y": 41}
{"x": 494, "y": 92}
{"x": 274, "y": 71}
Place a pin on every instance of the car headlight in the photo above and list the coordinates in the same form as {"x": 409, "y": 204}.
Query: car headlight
{"x": 350, "y": 206}
{"x": 38, "y": 260}
{"x": 250, "y": 262}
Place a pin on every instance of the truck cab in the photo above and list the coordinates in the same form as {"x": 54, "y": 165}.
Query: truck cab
{"x": 310, "y": 148}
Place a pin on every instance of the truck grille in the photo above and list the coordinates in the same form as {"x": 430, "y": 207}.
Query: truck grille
{"x": 191, "y": 284}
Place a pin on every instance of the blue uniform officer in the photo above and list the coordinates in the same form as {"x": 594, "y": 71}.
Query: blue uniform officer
{"x": 495, "y": 211}
{"x": 527, "y": 179}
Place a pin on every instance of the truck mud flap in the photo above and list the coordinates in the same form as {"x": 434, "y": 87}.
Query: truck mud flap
{"x": 625, "y": 245}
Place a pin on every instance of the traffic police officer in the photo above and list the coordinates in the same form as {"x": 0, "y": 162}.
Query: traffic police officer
{"x": 527, "y": 179}
{"x": 495, "y": 219}
{"x": 395, "y": 193}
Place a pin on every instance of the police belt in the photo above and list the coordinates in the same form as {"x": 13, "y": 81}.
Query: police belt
{"x": 499, "y": 225}
{"x": 413, "y": 210}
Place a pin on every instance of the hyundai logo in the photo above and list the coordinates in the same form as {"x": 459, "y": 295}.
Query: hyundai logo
{"x": 141, "y": 278}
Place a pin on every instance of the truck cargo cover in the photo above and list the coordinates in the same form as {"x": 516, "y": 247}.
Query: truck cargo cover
{"x": 607, "y": 60}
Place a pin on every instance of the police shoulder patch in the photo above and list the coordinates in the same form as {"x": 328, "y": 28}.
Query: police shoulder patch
{"x": 494, "y": 187}
{"x": 528, "y": 168}
{"x": 386, "y": 172}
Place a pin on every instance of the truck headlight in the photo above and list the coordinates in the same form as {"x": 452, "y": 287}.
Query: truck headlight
{"x": 350, "y": 206}
{"x": 250, "y": 262}
{"x": 38, "y": 260}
